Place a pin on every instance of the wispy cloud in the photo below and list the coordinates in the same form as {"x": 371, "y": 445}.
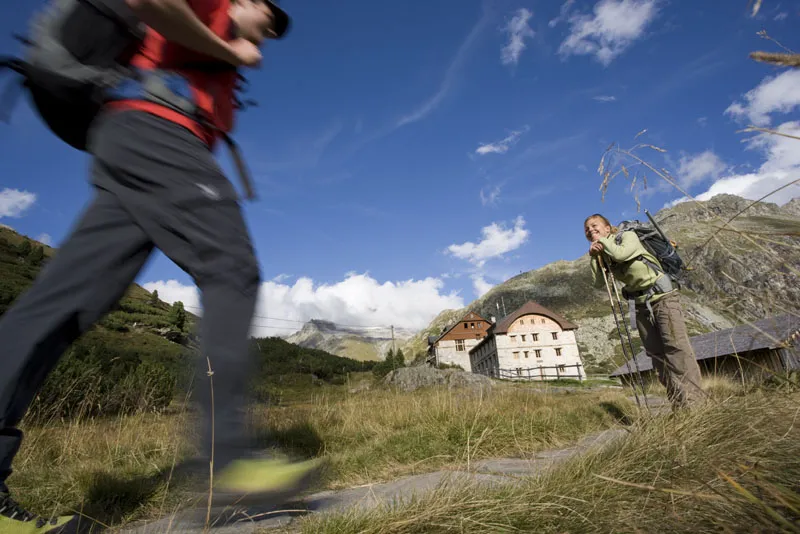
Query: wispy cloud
{"x": 480, "y": 285}
{"x": 696, "y": 168}
{"x": 613, "y": 27}
{"x": 490, "y": 195}
{"x": 518, "y": 30}
{"x": 496, "y": 241}
{"x": 779, "y": 93}
{"x": 14, "y": 203}
{"x": 566, "y": 7}
{"x": 502, "y": 146}
{"x": 781, "y": 16}
{"x": 449, "y": 79}
{"x": 780, "y": 167}
{"x": 702, "y": 121}
{"x": 605, "y": 98}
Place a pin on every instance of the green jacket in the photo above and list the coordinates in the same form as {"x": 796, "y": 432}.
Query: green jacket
{"x": 635, "y": 274}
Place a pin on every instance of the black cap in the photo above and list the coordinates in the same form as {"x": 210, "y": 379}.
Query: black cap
{"x": 282, "y": 20}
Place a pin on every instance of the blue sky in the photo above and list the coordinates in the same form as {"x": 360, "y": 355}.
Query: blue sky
{"x": 409, "y": 158}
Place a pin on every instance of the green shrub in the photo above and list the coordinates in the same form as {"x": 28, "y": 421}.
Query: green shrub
{"x": 98, "y": 377}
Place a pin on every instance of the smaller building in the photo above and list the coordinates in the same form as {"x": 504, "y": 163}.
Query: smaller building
{"x": 452, "y": 346}
{"x": 532, "y": 343}
{"x": 749, "y": 351}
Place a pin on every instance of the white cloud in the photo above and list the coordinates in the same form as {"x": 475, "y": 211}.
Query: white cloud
{"x": 779, "y": 93}
{"x": 562, "y": 15}
{"x": 517, "y": 29}
{"x": 702, "y": 121}
{"x": 13, "y": 202}
{"x": 46, "y": 239}
{"x": 502, "y": 146}
{"x": 497, "y": 240}
{"x": 781, "y": 16}
{"x": 693, "y": 169}
{"x": 615, "y": 25}
{"x": 480, "y": 285}
{"x": 490, "y": 198}
{"x": 781, "y": 166}
{"x": 357, "y": 300}
{"x": 605, "y": 98}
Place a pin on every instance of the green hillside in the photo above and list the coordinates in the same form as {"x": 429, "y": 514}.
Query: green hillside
{"x": 141, "y": 354}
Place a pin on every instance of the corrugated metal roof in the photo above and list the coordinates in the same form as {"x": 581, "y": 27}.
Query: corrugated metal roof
{"x": 769, "y": 333}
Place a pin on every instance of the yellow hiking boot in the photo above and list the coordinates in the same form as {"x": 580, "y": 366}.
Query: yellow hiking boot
{"x": 16, "y": 520}
{"x": 244, "y": 480}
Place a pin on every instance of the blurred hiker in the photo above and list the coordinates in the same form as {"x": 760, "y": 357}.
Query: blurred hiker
{"x": 659, "y": 313}
{"x": 157, "y": 185}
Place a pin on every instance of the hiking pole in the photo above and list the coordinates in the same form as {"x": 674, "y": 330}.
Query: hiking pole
{"x": 630, "y": 341}
{"x": 619, "y": 331}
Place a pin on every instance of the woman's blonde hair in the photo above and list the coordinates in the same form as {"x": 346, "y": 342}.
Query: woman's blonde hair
{"x": 614, "y": 229}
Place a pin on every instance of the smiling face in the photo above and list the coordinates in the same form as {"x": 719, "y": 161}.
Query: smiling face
{"x": 596, "y": 227}
{"x": 254, "y": 20}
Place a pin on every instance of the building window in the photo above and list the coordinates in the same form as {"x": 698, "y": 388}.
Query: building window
{"x": 558, "y": 352}
{"x": 513, "y": 339}
{"x": 535, "y": 337}
{"x": 526, "y": 353}
{"x": 562, "y": 367}
{"x": 543, "y": 321}
{"x": 459, "y": 345}
{"x": 516, "y": 355}
{"x": 477, "y": 336}
{"x": 519, "y": 371}
{"x": 555, "y": 335}
{"x": 538, "y": 353}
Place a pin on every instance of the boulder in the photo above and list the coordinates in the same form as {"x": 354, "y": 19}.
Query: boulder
{"x": 413, "y": 378}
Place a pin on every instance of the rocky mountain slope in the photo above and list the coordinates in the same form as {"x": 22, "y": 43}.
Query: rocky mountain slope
{"x": 370, "y": 344}
{"x": 749, "y": 270}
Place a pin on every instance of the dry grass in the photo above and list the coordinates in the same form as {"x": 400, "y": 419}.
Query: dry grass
{"x": 730, "y": 466}
{"x": 122, "y": 469}
{"x": 109, "y": 470}
{"x": 384, "y": 434}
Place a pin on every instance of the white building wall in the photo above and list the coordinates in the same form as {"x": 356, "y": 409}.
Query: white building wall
{"x": 517, "y": 350}
{"x": 446, "y": 352}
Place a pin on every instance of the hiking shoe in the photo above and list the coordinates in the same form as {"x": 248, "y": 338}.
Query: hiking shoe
{"x": 16, "y": 520}
{"x": 245, "y": 480}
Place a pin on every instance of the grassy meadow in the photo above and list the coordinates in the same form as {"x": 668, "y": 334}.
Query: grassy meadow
{"x": 119, "y": 469}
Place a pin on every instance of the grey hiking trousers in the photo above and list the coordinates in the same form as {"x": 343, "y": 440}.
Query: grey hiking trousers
{"x": 156, "y": 186}
{"x": 666, "y": 341}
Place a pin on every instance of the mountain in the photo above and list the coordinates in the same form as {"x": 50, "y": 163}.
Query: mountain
{"x": 748, "y": 270}
{"x": 363, "y": 344}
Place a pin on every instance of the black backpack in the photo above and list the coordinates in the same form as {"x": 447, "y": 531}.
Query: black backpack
{"x": 76, "y": 50}
{"x": 664, "y": 250}
{"x": 78, "y": 54}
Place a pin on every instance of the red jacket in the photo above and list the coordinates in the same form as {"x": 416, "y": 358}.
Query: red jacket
{"x": 213, "y": 91}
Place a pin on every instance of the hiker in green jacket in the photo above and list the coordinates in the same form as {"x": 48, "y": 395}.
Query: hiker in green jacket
{"x": 659, "y": 314}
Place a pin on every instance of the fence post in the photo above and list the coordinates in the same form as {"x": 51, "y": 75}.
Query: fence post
{"x": 578, "y": 369}
{"x": 558, "y": 373}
